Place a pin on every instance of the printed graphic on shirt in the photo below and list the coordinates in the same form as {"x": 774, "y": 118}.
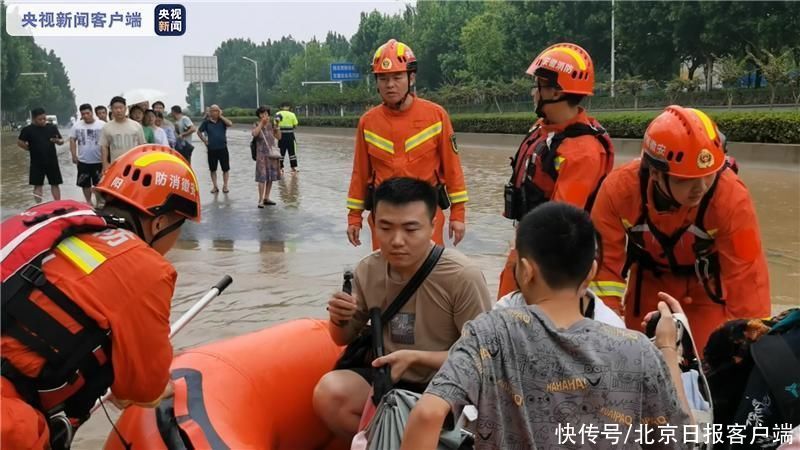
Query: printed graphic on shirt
{"x": 402, "y": 328}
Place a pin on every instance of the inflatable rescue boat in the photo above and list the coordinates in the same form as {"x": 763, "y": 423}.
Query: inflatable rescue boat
{"x": 248, "y": 392}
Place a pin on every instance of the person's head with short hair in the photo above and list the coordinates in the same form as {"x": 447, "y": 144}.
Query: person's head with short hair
{"x": 158, "y": 106}
{"x": 404, "y": 209}
{"x": 159, "y": 119}
{"x": 285, "y": 106}
{"x": 149, "y": 118}
{"x": 39, "y": 117}
{"x": 87, "y": 114}
{"x": 136, "y": 113}
{"x": 118, "y": 108}
{"x": 263, "y": 110}
{"x": 557, "y": 246}
{"x": 214, "y": 111}
{"x": 101, "y": 112}
{"x": 177, "y": 112}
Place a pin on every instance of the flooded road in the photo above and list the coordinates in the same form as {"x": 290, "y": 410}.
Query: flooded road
{"x": 286, "y": 259}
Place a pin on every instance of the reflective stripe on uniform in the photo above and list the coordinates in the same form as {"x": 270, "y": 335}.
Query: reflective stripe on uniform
{"x": 458, "y": 197}
{"x": 424, "y": 135}
{"x": 81, "y": 254}
{"x": 354, "y": 203}
{"x": 608, "y": 288}
{"x": 558, "y": 161}
{"x": 382, "y": 143}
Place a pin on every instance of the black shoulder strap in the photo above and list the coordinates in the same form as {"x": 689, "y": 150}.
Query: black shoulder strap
{"x": 413, "y": 284}
{"x": 781, "y": 371}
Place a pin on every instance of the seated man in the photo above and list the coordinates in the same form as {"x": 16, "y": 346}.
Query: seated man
{"x": 533, "y": 371}
{"x": 417, "y": 339}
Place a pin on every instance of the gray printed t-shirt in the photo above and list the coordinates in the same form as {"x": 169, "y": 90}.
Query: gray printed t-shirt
{"x": 526, "y": 377}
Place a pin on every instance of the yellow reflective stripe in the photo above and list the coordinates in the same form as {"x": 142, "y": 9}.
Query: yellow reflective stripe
{"x": 419, "y": 138}
{"x": 382, "y": 143}
{"x": 458, "y": 197}
{"x": 626, "y": 224}
{"x": 707, "y": 123}
{"x": 354, "y": 203}
{"x": 154, "y": 157}
{"x": 559, "y": 160}
{"x": 81, "y": 254}
{"x": 401, "y": 49}
{"x": 608, "y": 288}
{"x": 575, "y": 55}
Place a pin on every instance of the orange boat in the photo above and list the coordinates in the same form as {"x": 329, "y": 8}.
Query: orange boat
{"x": 249, "y": 392}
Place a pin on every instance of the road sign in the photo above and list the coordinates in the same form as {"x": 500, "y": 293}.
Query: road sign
{"x": 200, "y": 69}
{"x": 344, "y": 72}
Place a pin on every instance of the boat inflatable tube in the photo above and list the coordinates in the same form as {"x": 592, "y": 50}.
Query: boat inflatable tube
{"x": 248, "y": 392}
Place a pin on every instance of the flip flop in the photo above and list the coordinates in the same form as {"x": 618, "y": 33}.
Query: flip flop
{"x": 269, "y": 202}
{"x": 260, "y": 205}
{"x": 214, "y": 191}
{"x": 225, "y": 190}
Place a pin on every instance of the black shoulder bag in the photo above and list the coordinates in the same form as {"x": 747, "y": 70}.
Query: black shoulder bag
{"x": 359, "y": 353}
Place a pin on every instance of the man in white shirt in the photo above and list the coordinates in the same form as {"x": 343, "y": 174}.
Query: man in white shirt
{"x": 120, "y": 134}
{"x": 84, "y": 144}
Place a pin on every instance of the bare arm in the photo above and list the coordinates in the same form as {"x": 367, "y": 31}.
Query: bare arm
{"x": 188, "y": 131}
{"x": 22, "y": 144}
{"x": 425, "y": 423}
{"x": 226, "y": 121}
{"x": 73, "y": 148}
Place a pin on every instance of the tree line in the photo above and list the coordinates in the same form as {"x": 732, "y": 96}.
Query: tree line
{"x": 478, "y": 51}
{"x": 19, "y": 55}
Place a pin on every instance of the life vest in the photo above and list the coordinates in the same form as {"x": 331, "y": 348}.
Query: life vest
{"x": 77, "y": 367}
{"x": 689, "y": 251}
{"x": 535, "y": 167}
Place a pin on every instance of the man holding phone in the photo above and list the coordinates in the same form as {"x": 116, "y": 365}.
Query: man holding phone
{"x": 40, "y": 139}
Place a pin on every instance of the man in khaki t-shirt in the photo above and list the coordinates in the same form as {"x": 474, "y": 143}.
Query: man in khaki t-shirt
{"x": 120, "y": 134}
{"x": 417, "y": 338}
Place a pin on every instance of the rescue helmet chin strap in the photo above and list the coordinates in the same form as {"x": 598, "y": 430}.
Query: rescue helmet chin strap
{"x": 668, "y": 195}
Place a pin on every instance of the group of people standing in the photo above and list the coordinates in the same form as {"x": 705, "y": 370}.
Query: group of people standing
{"x": 674, "y": 231}
{"x": 95, "y": 141}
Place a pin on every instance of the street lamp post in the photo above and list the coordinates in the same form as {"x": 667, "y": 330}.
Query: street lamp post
{"x": 258, "y": 102}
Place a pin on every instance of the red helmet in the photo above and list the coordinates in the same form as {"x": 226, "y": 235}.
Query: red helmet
{"x": 155, "y": 179}
{"x": 394, "y": 56}
{"x": 684, "y": 143}
{"x": 568, "y": 66}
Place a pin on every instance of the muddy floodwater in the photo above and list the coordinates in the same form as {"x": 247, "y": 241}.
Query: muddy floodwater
{"x": 286, "y": 259}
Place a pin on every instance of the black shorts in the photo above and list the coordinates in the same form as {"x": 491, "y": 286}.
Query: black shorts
{"x": 89, "y": 174}
{"x": 39, "y": 170}
{"x": 368, "y": 372}
{"x": 220, "y": 156}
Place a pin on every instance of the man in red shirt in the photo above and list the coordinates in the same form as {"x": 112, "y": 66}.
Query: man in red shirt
{"x": 121, "y": 285}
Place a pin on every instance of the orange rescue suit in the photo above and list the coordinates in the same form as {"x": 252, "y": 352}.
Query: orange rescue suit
{"x": 581, "y": 165}
{"x": 122, "y": 284}
{"x": 418, "y": 143}
{"x": 729, "y": 230}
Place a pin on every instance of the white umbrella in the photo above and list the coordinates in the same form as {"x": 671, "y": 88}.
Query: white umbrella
{"x": 140, "y": 95}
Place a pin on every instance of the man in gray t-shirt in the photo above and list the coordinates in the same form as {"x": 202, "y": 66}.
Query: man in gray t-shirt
{"x": 542, "y": 376}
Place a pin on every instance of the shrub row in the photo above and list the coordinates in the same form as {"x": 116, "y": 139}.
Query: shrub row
{"x": 751, "y": 126}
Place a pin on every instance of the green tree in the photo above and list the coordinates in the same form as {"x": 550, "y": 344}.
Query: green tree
{"x": 776, "y": 69}
{"x": 483, "y": 44}
{"x": 730, "y": 69}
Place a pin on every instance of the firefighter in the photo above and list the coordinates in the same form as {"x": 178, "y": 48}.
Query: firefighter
{"x": 86, "y": 298}
{"x": 679, "y": 220}
{"x": 405, "y": 136}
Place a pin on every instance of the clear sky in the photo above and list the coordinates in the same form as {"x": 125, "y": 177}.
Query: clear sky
{"x": 101, "y": 68}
